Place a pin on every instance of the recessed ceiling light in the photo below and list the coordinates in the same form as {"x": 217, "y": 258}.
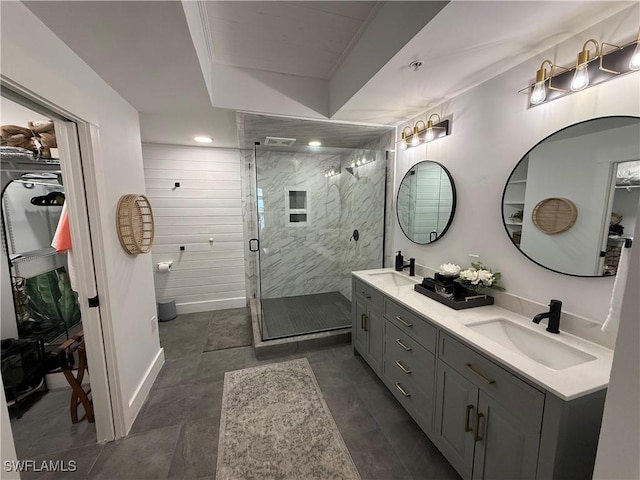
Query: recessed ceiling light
{"x": 314, "y": 143}
{"x": 203, "y": 139}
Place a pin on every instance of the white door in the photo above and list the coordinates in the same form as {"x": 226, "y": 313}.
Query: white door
{"x": 72, "y": 173}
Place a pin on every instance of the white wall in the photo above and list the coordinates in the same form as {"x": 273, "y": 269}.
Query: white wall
{"x": 620, "y": 436}
{"x": 208, "y": 275}
{"x": 46, "y": 67}
{"x": 491, "y": 130}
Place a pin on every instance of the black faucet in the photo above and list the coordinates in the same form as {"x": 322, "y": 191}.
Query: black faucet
{"x": 400, "y": 265}
{"x": 412, "y": 267}
{"x": 555, "y": 307}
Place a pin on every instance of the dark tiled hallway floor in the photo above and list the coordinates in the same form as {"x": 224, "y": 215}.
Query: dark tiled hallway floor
{"x": 176, "y": 433}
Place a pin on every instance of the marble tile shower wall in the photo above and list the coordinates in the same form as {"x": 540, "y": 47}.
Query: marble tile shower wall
{"x": 318, "y": 256}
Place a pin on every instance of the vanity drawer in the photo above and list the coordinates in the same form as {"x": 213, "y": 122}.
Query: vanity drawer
{"x": 405, "y": 387}
{"x": 404, "y": 355}
{"x": 411, "y": 324}
{"x": 516, "y": 395}
{"x": 367, "y": 293}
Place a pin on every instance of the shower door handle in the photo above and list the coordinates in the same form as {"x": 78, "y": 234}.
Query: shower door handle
{"x": 251, "y": 246}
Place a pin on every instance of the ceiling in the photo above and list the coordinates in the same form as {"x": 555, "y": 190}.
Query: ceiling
{"x": 188, "y": 67}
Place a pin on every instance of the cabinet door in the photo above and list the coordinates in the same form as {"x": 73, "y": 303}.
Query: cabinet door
{"x": 456, "y": 400}
{"x": 506, "y": 448}
{"x": 376, "y": 336}
{"x": 358, "y": 330}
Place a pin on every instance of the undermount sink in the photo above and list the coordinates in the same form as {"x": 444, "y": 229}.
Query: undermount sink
{"x": 537, "y": 346}
{"x": 394, "y": 278}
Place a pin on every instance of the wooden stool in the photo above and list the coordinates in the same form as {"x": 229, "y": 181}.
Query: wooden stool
{"x": 79, "y": 395}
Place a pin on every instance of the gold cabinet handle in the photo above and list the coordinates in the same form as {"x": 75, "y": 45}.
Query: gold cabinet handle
{"x": 399, "y": 342}
{"x": 489, "y": 381}
{"x": 402, "y": 390}
{"x": 467, "y": 422}
{"x": 477, "y": 437}
{"x": 366, "y": 323}
{"x": 404, "y": 322}
{"x": 402, "y": 367}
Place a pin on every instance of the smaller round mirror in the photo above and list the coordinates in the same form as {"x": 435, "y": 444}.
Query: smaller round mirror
{"x": 426, "y": 202}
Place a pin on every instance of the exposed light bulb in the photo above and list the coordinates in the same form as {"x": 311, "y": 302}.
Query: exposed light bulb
{"x": 580, "y": 78}
{"x": 539, "y": 94}
{"x": 415, "y": 140}
{"x": 403, "y": 144}
{"x": 429, "y": 135}
{"x": 353, "y": 164}
{"x": 634, "y": 63}
{"x": 358, "y": 163}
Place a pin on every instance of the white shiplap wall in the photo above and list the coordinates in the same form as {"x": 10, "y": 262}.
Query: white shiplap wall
{"x": 207, "y": 275}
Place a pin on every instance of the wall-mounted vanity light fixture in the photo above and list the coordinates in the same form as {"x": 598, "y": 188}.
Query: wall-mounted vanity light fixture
{"x": 332, "y": 172}
{"x": 424, "y": 132}
{"x": 608, "y": 61}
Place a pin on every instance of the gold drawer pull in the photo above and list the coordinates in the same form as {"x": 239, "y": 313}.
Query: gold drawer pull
{"x": 402, "y": 367}
{"x": 402, "y": 390}
{"x": 488, "y": 380}
{"x": 399, "y": 342}
{"x": 477, "y": 437}
{"x": 365, "y": 322}
{"x": 467, "y": 423}
{"x": 404, "y": 322}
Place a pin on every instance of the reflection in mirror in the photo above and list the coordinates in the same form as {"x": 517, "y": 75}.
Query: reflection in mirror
{"x": 426, "y": 202}
{"x": 594, "y": 165}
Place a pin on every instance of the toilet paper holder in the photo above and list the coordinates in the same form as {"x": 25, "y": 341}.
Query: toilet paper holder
{"x": 164, "y": 266}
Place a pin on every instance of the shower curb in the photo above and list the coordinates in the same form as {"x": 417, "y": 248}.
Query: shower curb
{"x": 292, "y": 345}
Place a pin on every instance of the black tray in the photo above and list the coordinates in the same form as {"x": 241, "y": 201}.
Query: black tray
{"x": 456, "y": 304}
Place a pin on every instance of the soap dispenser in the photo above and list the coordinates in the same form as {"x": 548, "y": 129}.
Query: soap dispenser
{"x": 399, "y": 261}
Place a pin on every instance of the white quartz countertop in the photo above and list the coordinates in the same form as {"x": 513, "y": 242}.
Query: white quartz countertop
{"x": 566, "y": 383}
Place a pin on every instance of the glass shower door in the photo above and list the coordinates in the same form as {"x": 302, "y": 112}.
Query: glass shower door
{"x": 309, "y": 203}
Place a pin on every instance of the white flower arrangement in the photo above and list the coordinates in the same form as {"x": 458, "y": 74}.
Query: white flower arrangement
{"x": 479, "y": 277}
{"x": 450, "y": 270}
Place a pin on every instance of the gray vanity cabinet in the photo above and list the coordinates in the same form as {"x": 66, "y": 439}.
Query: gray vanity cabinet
{"x": 409, "y": 362}
{"x": 456, "y": 401}
{"x": 367, "y": 329}
{"x": 487, "y": 421}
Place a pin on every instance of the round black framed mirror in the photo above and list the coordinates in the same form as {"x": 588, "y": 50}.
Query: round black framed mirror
{"x": 570, "y": 204}
{"x": 426, "y": 202}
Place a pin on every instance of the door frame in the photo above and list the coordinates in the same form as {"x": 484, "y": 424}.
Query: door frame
{"x": 81, "y": 146}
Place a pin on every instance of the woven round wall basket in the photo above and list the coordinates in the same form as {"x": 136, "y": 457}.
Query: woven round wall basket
{"x": 554, "y": 215}
{"x": 134, "y": 219}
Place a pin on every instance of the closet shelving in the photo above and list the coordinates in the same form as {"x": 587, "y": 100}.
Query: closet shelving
{"x": 16, "y": 164}
{"x": 513, "y": 201}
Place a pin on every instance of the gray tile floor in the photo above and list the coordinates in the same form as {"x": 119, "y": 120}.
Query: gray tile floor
{"x": 176, "y": 433}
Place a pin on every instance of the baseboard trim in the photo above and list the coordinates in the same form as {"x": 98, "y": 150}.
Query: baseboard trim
{"x": 141, "y": 393}
{"x": 209, "y": 305}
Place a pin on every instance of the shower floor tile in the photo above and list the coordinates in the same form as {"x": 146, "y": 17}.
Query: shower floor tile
{"x": 287, "y": 316}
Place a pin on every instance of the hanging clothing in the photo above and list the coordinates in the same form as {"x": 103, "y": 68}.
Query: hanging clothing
{"x": 62, "y": 243}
